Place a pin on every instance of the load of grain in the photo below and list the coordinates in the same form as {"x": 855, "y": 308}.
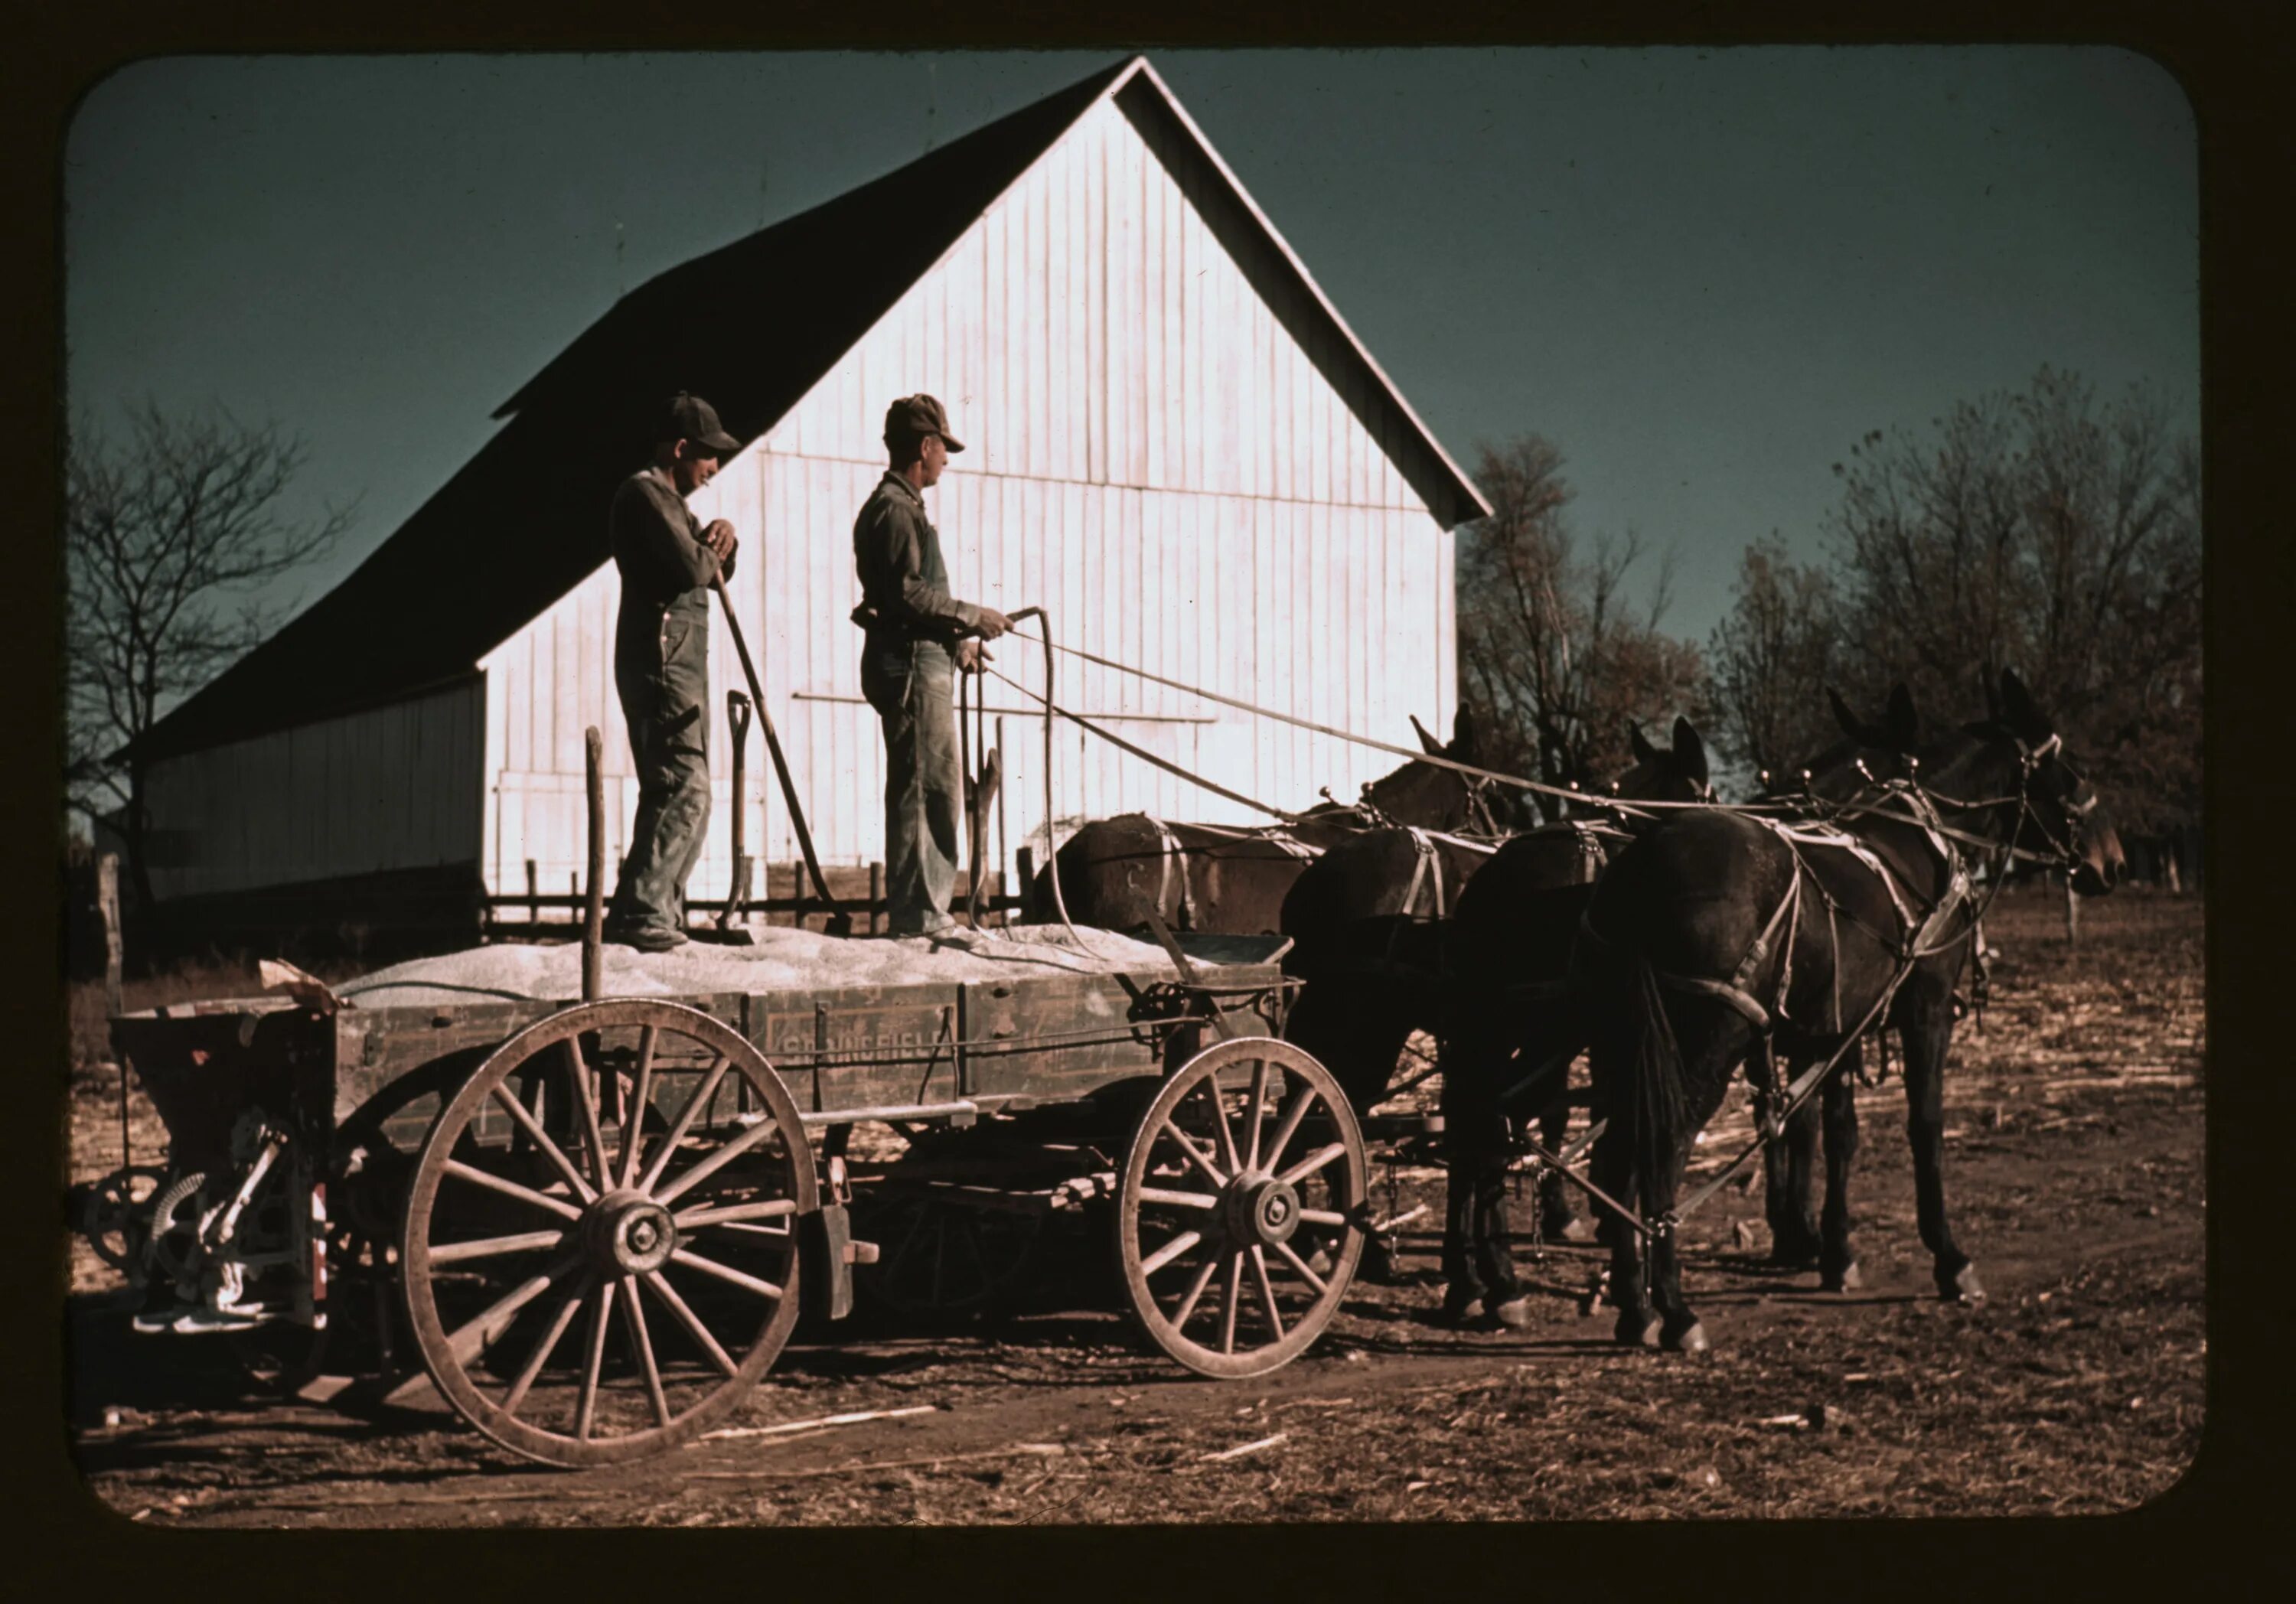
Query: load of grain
{"x": 782, "y": 960}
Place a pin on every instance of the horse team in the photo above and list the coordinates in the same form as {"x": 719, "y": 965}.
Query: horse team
{"x": 1673, "y": 941}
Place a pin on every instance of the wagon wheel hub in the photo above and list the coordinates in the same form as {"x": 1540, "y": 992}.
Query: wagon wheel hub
{"x": 1262, "y": 1209}
{"x": 628, "y": 1233}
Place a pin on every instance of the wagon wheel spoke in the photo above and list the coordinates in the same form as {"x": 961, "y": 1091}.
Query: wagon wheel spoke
{"x": 770, "y": 1208}
{"x": 1291, "y": 1256}
{"x": 544, "y": 1350}
{"x": 1259, "y": 1111}
{"x": 1211, "y": 1089}
{"x": 1179, "y": 1199}
{"x": 585, "y": 1409}
{"x": 1169, "y": 1251}
{"x": 511, "y": 1189}
{"x": 1230, "y": 1291}
{"x": 642, "y": 1340}
{"x": 1267, "y": 1289}
{"x": 1313, "y": 1162}
{"x": 694, "y": 1175}
{"x": 543, "y": 1143}
{"x": 467, "y": 1340}
{"x": 683, "y": 1122}
{"x": 1289, "y": 1126}
{"x": 685, "y": 1317}
{"x": 1196, "y": 1156}
{"x": 725, "y": 1273}
{"x": 586, "y": 1098}
{"x": 1195, "y": 1292}
{"x": 633, "y": 1115}
{"x": 531, "y": 1241}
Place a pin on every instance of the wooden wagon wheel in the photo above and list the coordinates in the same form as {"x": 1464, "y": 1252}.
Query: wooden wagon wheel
{"x": 1249, "y": 1149}
{"x": 117, "y": 1216}
{"x": 677, "y": 1253}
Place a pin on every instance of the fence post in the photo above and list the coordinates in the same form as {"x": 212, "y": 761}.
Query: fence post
{"x": 533, "y": 895}
{"x": 1027, "y": 859}
{"x": 594, "y": 957}
{"x": 107, "y": 902}
{"x": 876, "y": 894}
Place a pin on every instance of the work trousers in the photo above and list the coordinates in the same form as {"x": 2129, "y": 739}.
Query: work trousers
{"x": 663, "y": 682}
{"x": 911, "y": 684}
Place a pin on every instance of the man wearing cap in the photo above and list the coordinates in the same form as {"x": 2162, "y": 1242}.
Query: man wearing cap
{"x": 913, "y": 647}
{"x": 667, "y": 561}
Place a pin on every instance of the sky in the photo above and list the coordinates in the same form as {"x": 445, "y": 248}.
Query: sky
{"x": 1701, "y": 273}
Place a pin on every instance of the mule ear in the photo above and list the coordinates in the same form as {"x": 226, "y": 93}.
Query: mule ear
{"x": 1842, "y": 715}
{"x": 1644, "y": 751}
{"x": 1904, "y": 724}
{"x": 2017, "y": 707}
{"x": 1689, "y": 750}
{"x": 1463, "y": 736}
{"x": 1432, "y": 746}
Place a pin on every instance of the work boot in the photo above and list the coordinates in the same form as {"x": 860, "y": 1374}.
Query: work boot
{"x": 647, "y": 938}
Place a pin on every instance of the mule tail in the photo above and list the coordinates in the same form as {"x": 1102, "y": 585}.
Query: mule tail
{"x": 1651, "y": 1097}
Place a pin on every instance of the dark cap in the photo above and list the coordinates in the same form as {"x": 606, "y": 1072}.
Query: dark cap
{"x": 688, "y": 417}
{"x": 913, "y": 417}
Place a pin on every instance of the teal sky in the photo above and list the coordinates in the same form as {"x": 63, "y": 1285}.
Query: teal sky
{"x": 1701, "y": 273}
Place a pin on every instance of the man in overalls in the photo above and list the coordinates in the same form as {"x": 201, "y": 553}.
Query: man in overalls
{"x": 910, "y": 655}
{"x": 662, "y": 665}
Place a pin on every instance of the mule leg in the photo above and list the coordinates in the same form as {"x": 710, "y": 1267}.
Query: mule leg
{"x": 1478, "y": 1263}
{"x": 1837, "y": 1262}
{"x": 1786, "y": 1164}
{"x": 1926, "y": 1026}
{"x": 1613, "y": 1170}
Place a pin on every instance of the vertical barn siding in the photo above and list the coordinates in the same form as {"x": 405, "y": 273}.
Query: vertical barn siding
{"x": 1151, "y": 453}
{"x": 395, "y": 786}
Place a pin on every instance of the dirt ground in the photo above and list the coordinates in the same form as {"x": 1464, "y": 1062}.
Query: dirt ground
{"x": 2075, "y": 1167}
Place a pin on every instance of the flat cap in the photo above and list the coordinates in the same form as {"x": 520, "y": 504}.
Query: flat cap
{"x": 913, "y": 417}
{"x": 688, "y": 417}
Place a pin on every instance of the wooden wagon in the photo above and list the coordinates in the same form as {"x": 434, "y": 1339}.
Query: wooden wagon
{"x": 597, "y": 1222}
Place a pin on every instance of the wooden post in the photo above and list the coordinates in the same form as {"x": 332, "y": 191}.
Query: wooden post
{"x": 1027, "y": 858}
{"x": 533, "y": 895}
{"x": 107, "y": 902}
{"x": 2072, "y": 911}
{"x": 876, "y": 896}
{"x": 1004, "y": 854}
{"x": 594, "y": 927}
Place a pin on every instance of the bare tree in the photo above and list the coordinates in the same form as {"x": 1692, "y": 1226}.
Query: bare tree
{"x": 1555, "y": 658}
{"x": 171, "y": 534}
{"x": 1773, "y": 657}
{"x": 2044, "y": 531}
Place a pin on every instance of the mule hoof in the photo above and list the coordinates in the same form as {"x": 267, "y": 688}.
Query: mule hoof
{"x": 1962, "y": 1286}
{"x": 1320, "y": 1261}
{"x": 1514, "y": 1313}
{"x": 1634, "y": 1333}
{"x": 1578, "y": 1228}
{"x": 1845, "y": 1280}
{"x": 1377, "y": 1266}
{"x": 1691, "y": 1339}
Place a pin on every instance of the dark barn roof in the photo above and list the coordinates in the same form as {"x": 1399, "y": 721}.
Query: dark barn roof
{"x": 524, "y": 521}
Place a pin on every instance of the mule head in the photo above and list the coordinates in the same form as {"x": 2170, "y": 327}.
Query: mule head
{"x": 1433, "y": 797}
{"x": 1870, "y": 751}
{"x": 1676, "y": 773}
{"x": 2063, "y": 813}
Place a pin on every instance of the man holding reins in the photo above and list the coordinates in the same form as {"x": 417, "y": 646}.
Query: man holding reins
{"x": 669, "y": 560}
{"x": 916, "y": 641}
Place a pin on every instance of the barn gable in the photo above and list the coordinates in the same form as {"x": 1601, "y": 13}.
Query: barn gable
{"x": 1172, "y": 445}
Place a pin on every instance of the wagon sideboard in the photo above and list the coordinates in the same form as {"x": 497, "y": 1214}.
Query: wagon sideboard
{"x": 908, "y": 1050}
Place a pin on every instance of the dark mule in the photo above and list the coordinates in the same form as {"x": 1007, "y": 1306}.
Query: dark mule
{"x": 1509, "y": 1017}
{"x": 1716, "y": 932}
{"x": 1371, "y": 925}
{"x": 1218, "y": 878}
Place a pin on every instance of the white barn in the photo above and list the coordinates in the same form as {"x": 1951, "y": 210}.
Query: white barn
{"x": 1175, "y": 444}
